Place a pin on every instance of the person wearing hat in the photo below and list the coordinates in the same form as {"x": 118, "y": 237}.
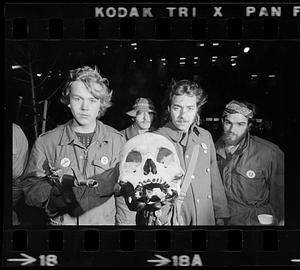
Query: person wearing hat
{"x": 142, "y": 113}
{"x": 202, "y": 199}
{"x": 252, "y": 168}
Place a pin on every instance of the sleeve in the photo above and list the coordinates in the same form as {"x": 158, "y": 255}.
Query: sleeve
{"x": 124, "y": 216}
{"x": 19, "y": 161}
{"x": 276, "y": 180}
{"x": 218, "y": 191}
{"x": 20, "y": 151}
{"x": 35, "y": 184}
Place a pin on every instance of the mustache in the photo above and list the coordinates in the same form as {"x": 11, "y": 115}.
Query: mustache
{"x": 182, "y": 120}
{"x": 230, "y": 133}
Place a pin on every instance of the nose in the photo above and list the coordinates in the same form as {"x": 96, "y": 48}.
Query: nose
{"x": 84, "y": 105}
{"x": 146, "y": 116}
{"x": 149, "y": 167}
{"x": 232, "y": 128}
{"x": 182, "y": 113}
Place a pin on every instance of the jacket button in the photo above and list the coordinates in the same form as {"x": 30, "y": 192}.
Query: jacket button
{"x": 205, "y": 151}
{"x": 209, "y": 196}
{"x": 81, "y": 156}
{"x": 193, "y": 176}
{"x": 186, "y": 156}
{"x": 207, "y": 169}
{"x": 198, "y": 201}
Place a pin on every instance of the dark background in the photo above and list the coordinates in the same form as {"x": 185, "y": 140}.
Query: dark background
{"x": 131, "y": 75}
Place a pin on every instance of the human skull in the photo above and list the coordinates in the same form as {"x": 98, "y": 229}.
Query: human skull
{"x": 150, "y": 167}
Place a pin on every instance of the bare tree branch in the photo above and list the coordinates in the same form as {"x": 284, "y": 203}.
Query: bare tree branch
{"x": 18, "y": 79}
{"x": 53, "y": 64}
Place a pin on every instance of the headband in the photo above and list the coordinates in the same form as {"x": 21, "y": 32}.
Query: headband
{"x": 237, "y": 107}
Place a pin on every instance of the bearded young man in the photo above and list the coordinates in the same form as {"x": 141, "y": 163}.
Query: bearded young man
{"x": 252, "y": 169}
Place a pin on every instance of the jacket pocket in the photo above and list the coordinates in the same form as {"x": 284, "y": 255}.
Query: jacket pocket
{"x": 63, "y": 164}
{"x": 250, "y": 185}
{"x": 99, "y": 166}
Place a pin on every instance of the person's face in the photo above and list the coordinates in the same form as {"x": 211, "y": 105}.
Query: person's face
{"x": 183, "y": 111}
{"x": 144, "y": 120}
{"x": 84, "y": 106}
{"x": 235, "y": 127}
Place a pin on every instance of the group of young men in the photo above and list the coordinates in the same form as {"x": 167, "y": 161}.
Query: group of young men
{"x": 72, "y": 170}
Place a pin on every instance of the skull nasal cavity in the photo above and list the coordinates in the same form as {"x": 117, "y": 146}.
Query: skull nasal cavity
{"x": 149, "y": 167}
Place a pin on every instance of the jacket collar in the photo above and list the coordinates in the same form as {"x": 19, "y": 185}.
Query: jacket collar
{"x": 131, "y": 132}
{"x": 69, "y": 136}
{"x": 176, "y": 135}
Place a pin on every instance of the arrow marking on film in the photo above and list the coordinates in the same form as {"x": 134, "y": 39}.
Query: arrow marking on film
{"x": 295, "y": 260}
{"x": 160, "y": 261}
{"x": 26, "y": 260}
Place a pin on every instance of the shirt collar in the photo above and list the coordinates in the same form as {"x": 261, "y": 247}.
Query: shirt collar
{"x": 176, "y": 135}
{"x": 69, "y": 136}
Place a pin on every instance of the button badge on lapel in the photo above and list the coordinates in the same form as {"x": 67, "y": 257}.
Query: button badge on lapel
{"x": 250, "y": 174}
{"x": 104, "y": 160}
{"x": 204, "y": 146}
{"x": 65, "y": 162}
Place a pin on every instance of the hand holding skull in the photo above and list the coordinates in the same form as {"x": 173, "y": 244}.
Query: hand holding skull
{"x": 150, "y": 172}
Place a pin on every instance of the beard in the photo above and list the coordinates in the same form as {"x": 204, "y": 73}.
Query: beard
{"x": 144, "y": 125}
{"x": 231, "y": 139}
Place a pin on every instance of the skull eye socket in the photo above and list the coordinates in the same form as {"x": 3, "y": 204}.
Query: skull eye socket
{"x": 134, "y": 156}
{"x": 165, "y": 156}
{"x": 133, "y": 159}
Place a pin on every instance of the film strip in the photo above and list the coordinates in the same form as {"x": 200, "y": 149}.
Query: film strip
{"x": 155, "y": 27}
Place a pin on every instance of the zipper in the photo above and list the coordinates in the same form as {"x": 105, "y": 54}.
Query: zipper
{"x": 85, "y": 162}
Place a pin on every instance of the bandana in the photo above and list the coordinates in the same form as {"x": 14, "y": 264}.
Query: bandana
{"x": 237, "y": 107}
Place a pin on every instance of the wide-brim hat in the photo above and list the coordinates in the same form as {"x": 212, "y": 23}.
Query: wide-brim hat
{"x": 141, "y": 104}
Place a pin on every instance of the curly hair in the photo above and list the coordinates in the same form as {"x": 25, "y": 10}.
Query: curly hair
{"x": 183, "y": 87}
{"x": 89, "y": 77}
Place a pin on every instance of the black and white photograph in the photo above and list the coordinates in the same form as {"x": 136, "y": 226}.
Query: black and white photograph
{"x": 156, "y": 126}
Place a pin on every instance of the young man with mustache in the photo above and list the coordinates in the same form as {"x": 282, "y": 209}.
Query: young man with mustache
{"x": 204, "y": 202}
{"x": 252, "y": 168}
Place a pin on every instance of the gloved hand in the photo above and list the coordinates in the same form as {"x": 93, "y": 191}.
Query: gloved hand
{"x": 127, "y": 191}
{"x": 62, "y": 198}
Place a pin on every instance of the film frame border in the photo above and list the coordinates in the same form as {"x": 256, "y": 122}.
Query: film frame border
{"x": 131, "y": 26}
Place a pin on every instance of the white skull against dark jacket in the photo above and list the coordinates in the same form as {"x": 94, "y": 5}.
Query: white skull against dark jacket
{"x": 150, "y": 172}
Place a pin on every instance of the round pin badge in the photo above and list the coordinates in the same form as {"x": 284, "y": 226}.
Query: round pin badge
{"x": 204, "y": 146}
{"x": 250, "y": 174}
{"x": 104, "y": 160}
{"x": 65, "y": 162}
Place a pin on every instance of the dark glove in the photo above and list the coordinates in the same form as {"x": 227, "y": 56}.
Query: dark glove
{"x": 127, "y": 191}
{"x": 62, "y": 199}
